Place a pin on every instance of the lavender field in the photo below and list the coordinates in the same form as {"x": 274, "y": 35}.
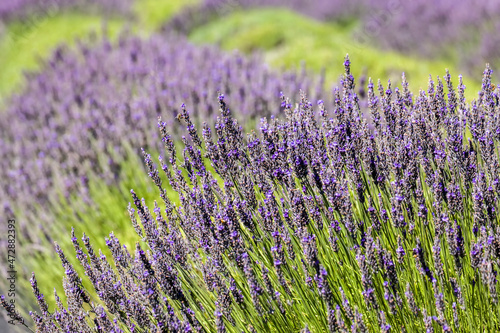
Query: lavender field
{"x": 224, "y": 166}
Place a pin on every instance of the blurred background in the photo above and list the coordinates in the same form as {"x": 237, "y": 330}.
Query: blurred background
{"x": 75, "y": 107}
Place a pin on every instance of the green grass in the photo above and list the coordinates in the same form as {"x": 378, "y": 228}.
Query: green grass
{"x": 287, "y": 39}
{"x": 153, "y": 13}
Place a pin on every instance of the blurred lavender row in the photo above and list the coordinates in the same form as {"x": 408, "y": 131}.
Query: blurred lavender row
{"x": 431, "y": 28}
{"x": 87, "y": 106}
{"x": 24, "y": 9}
{"x": 193, "y": 16}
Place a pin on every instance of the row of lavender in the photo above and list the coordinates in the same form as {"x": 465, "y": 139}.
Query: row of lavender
{"x": 79, "y": 116}
{"x": 318, "y": 223}
{"x": 432, "y": 28}
{"x": 26, "y": 9}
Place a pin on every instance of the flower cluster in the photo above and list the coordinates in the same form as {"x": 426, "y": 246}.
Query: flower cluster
{"x": 323, "y": 222}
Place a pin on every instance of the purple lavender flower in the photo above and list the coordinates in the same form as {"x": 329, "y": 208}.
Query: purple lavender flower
{"x": 421, "y": 262}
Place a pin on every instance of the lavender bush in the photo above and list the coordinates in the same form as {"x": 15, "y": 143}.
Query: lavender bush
{"x": 191, "y": 17}
{"x": 25, "y": 9}
{"x": 323, "y": 222}
{"x": 460, "y": 30}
